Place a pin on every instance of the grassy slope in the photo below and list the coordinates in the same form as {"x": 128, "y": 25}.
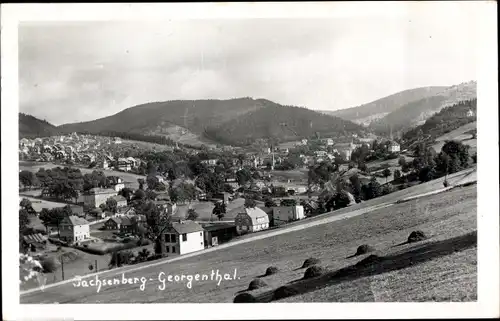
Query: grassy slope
{"x": 442, "y": 215}
{"x": 459, "y": 134}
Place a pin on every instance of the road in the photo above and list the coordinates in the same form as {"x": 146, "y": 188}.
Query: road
{"x": 67, "y": 292}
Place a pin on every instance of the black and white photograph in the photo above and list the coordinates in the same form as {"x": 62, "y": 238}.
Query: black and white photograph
{"x": 243, "y": 155}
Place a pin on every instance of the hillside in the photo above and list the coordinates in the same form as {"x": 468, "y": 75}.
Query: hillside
{"x": 366, "y": 113}
{"x": 447, "y": 120}
{"x": 415, "y": 113}
{"x": 447, "y": 260}
{"x": 268, "y": 122}
{"x": 170, "y": 118}
{"x": 30, "y": 126}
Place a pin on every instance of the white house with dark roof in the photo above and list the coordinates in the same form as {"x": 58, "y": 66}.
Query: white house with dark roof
{"x": 96, "y": 196}
{"x": 74, "y": 229}
{"x": 183, "y": 237}
{"x": 251, "y": 220}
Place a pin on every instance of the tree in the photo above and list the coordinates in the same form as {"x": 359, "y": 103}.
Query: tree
{"x": 25, "y": 204}
{"x": 228, "y": 189}
{"x": 111, "y": 205}
{"x": 341, "y": 200}
{"x": 372, "y": 189}
{"x": 141, "y": 183}
{"x": 143, "y": 255}
{"x": 243, "y": 176}
{"x": 53, "y": 217}
{"x": 362, "y": 167}
{"x": 288, "y": 202}
{"x": 126, "y": 192}
{"x": 219, "y": 210}
{"x": 355, "y": 187}
{"x": 402, "y": 161}
{"x": 397, "y": 174}
{"x": 158, "y": 221}
{"x": 457, "y": 150}
{"x": 23, "y": 223}
{"x": 152, "y": 182}
{"x": 27, "y": 178}
{"x": 269, "y": 202}
{"x": 426, "y": 174}
{"x": 250, "y": 203}
{"x": 120, "y": 258}
{"x": 386, "y": 173}
{"x": 192, "y": 215}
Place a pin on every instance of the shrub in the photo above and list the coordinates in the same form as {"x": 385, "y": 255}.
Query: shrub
{"x": 387, "y": 189}
{"x": 416, "y": 236}
{"x": 310, "y": 262}
{"x": 314, "y": 271}
{"x": 283, "y": 292}
{"x": 256, "y": 284}
{"x": 244, "y": 298}
{"x": 49, "y": 264}
{"x": 363, "y": 249}
{"x": 271, "y": 270}
{"x": 445, "y": 183}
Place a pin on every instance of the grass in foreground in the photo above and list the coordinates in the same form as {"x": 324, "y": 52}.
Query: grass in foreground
{"x": 441, "y": 216}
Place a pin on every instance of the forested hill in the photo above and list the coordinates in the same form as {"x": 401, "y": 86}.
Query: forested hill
{"x": 282, "y": 123}
{"x": 154, "y": 118}
{"x": 30, "y": 126}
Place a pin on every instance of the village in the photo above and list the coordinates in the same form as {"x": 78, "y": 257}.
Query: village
{"x": 108, "y": 216}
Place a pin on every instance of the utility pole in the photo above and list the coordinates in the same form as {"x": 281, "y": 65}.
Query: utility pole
{"x": 96, "y": 269}
{"x": 61, "y": 258}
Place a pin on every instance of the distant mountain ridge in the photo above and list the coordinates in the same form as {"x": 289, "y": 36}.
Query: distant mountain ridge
{"x": 366, "y": 113}
{"x": 30, "y": 126}
{"x": 417, "y": 112}
{"x": 407, "y": 108}
{"x": 215, "y": 120}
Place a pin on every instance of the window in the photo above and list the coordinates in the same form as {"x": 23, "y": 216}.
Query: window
{"x": 167, "y": 238}
{"x": 168, "y": 248}
{"x": 184, "y": 237}
{"x": 201, "y": 233}
{"x": 173, "y": 238}
{"x": 173, "y": 249}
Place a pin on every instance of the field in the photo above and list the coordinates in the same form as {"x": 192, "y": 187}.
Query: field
{"x": 129, "y": 178}
{"x": 441, "y": 216}
{"x": 460, "y": 134}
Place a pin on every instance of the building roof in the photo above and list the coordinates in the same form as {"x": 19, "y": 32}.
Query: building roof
{"x": 34, "y": 238}
{"x": 119, "y": 198}
{"x": 98, "y": 190}
{"x": 186, "y": 227}
{"x": 256, "y": 213}
{"x": 75, "y": 220}
{"x": 218, "y": 226}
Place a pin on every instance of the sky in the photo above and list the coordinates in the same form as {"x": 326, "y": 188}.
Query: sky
{"x": 80, "y": 71}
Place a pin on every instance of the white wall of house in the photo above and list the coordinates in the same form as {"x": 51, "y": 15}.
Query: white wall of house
{"x": 193, "y": 242}
{"x": 282, "y": 214}
{"x": 75, "y": 233}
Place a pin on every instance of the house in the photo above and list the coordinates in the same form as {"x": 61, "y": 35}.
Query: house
{"x": 127, "y": 224}
{"x": 470, "y": 113}
{"x": 74, "y": 229}
{"x": 284, "y": 214}
{"x": 124, "y": 164}
{"x": 393, "y": 147}
{"x": 211, "y": 162}
{"x": 345, "y": 149}
{"x": 183, "y": 237}
{"x": 224, "y": 197}
{"x": 103, "y": 163}
{"x": 113, "y": 223}
{"x": 117, "y": 140}
{"x": 125, "y": 211}
{"x": 120, "y": 201}
{"x": 329, "y": 142}
{"x": 47, "y": 157}
{"x": 251, "y": 220}
{"x": 76, "y": 209}
{"x": 96, "y": 196}
{"x": 200, "y": 194}
{"x": 218, "y": 233}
